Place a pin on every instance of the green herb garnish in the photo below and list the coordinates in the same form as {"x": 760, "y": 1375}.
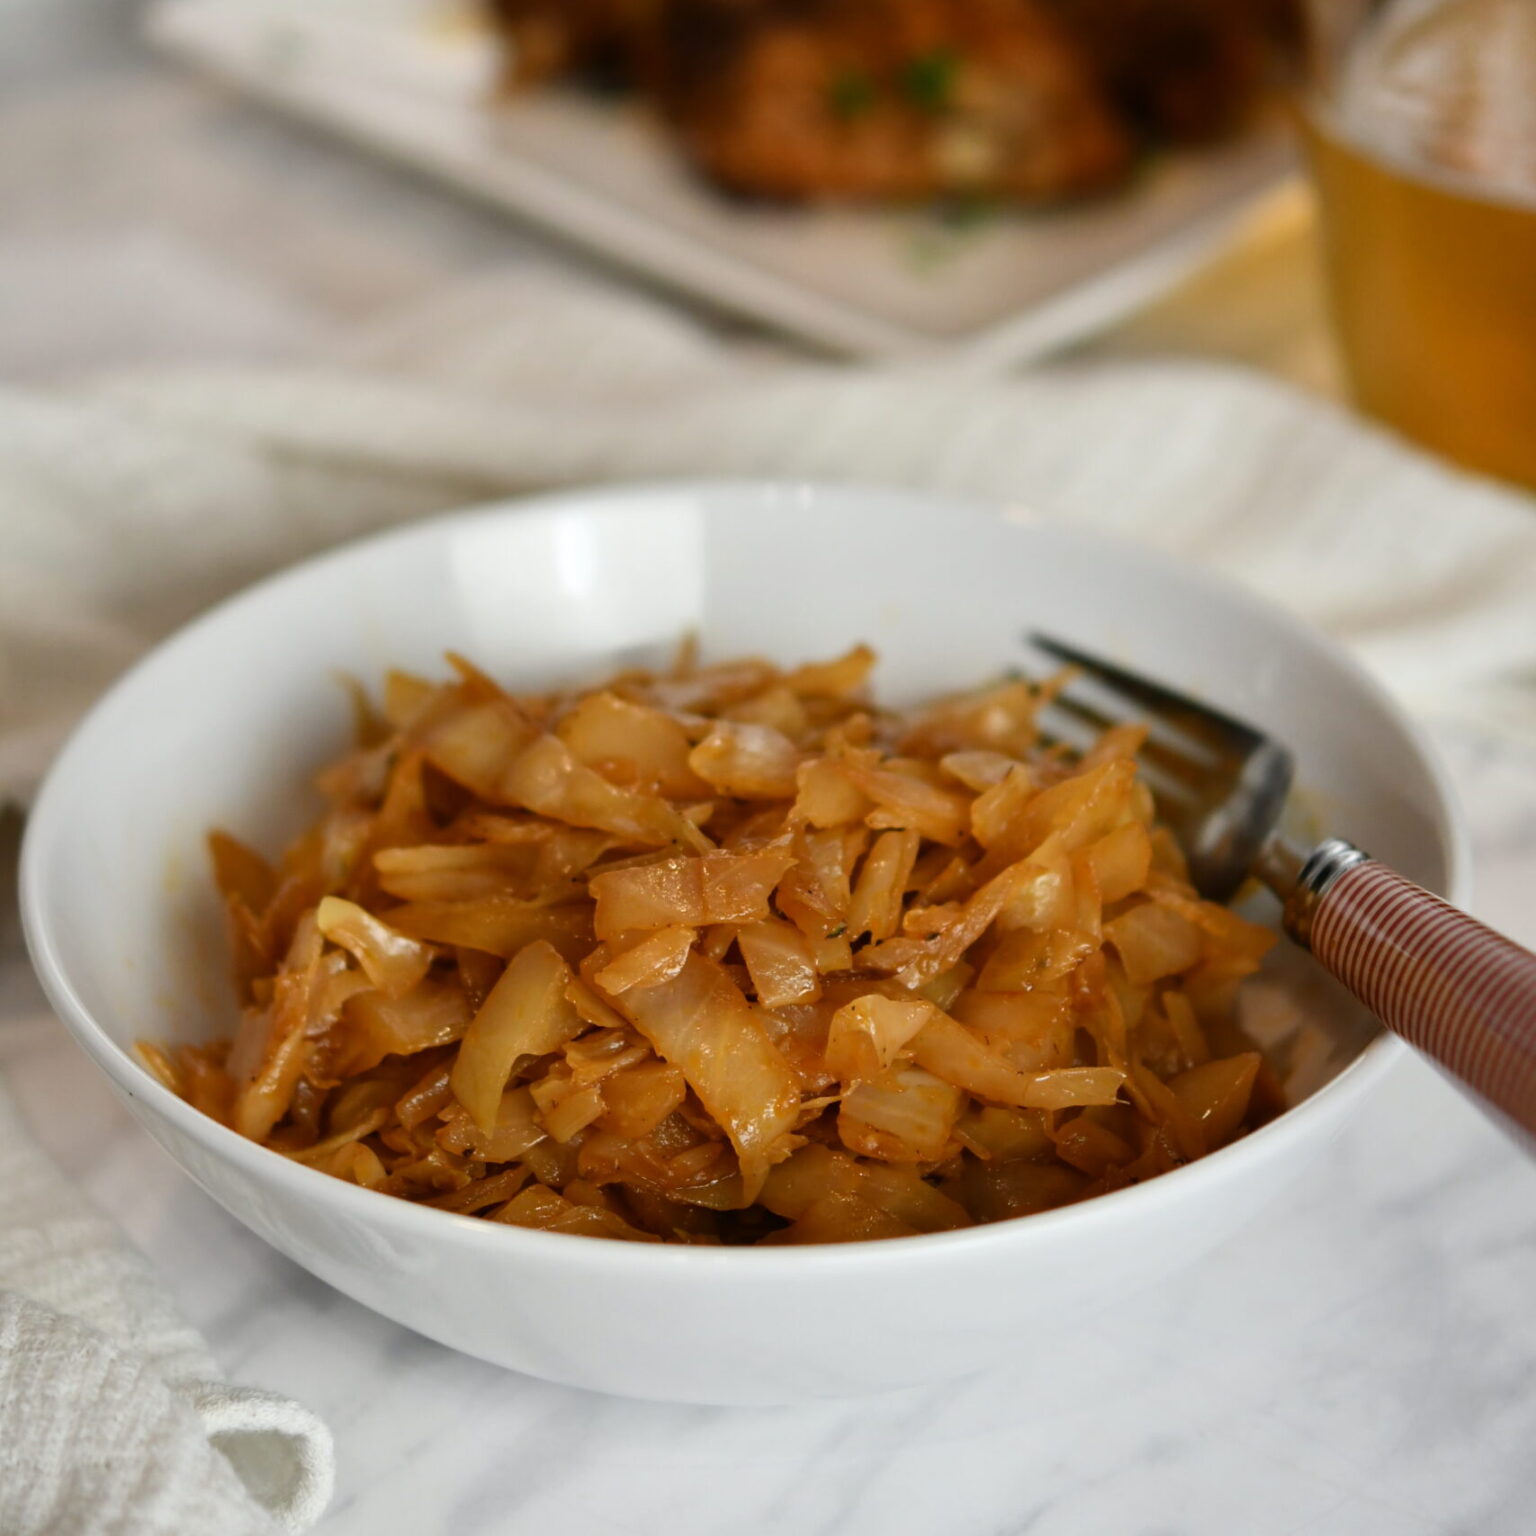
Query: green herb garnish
{"x": 851, "y": 94}
{"x": 928, "y": 81}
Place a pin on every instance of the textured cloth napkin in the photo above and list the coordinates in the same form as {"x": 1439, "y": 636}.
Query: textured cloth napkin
{"x": 112, "y": 1415}
{"x": 131, "y": 502}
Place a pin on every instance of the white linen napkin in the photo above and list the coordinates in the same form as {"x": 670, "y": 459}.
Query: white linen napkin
{"x": 113, "y": 1418}
{"x": 131, "y": 502}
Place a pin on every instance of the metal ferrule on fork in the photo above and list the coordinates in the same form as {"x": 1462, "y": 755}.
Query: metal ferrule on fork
{"x": 1318, "y": 874}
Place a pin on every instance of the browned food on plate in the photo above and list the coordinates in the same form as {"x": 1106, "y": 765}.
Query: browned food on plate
{"x": 1021, "y": 100}
{"x": 889, "y": 99}
{"x": 729, "y": 954}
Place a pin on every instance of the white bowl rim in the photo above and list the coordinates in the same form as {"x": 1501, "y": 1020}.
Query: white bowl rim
{"x": 261, "y": 1164}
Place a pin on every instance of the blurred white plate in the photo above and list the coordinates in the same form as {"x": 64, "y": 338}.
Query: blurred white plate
{"x": 413, "y": 79}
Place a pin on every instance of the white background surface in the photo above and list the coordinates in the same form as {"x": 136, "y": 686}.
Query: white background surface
{"x": 1365, "y": 1362}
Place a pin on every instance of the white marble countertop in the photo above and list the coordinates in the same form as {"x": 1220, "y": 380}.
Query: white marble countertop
{"x": 1363, "y": 1361}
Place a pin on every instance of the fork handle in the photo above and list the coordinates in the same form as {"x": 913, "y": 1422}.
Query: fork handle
{"x": 1457, "y": 990}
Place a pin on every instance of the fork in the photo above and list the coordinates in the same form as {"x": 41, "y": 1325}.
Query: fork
{"x": 1447, "y": 984}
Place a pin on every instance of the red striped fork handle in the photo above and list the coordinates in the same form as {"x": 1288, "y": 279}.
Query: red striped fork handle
{"x": 1458, "y": 991}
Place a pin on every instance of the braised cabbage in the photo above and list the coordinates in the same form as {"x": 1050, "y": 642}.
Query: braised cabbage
{"x": 729, "y": 955}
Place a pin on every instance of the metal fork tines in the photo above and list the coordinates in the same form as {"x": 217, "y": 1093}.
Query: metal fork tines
{"x": 1220, "y": 784}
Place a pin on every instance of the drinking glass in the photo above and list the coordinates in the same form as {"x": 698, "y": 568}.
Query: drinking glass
{"x": 1420, "y": 121}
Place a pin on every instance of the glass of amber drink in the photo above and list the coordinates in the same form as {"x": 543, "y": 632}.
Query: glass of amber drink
{"x": 1420, "y": 121}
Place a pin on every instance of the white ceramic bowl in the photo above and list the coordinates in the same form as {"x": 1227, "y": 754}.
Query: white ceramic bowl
{"x": 222, "y": 724}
